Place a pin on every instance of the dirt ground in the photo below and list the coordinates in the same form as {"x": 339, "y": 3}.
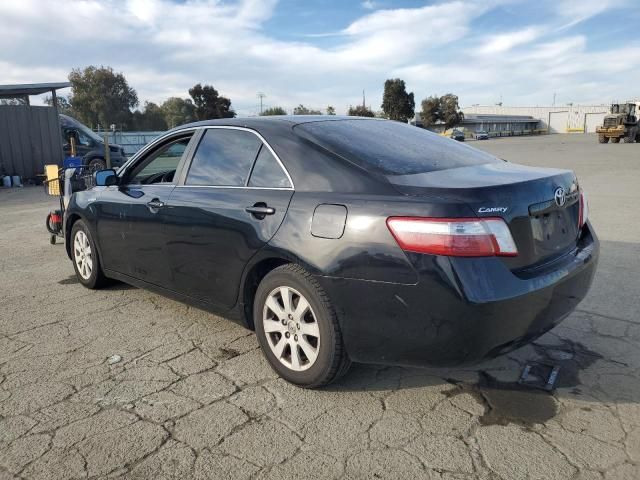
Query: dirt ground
{"x": 190, "y": 396}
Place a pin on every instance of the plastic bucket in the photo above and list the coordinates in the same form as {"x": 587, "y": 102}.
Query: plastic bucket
{"x": 6, "y": 181}
{"x": 16, "y": 181}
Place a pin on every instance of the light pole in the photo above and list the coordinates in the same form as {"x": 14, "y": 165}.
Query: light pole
{"x": 261, "y": 95}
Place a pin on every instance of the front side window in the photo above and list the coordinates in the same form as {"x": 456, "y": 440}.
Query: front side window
{"x": 161, "y": 165}
{"x": 223, "y": 158}
{"x": 267, "y": 172}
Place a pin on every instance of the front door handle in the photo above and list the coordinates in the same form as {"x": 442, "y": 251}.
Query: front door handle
{"x": 260, "y": 210}
{"x": 155, "y": 203}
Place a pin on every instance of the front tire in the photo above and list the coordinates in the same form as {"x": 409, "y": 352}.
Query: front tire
{"x": 297, "y": 328}
{"x": 97, "y": 164}
{"x": 84, "y": 255}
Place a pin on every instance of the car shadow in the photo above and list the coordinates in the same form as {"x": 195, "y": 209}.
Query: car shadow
{"x": 495, "y": 385}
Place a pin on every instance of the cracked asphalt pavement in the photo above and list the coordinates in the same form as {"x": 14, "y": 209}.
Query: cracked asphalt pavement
{"x": 191, "y": 396}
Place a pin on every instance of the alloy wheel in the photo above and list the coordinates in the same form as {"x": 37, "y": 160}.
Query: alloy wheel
{"x": 82, "y": 254}
{"x": 291, "y": 328}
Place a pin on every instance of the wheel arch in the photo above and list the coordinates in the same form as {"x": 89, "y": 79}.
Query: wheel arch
{"x": 252, "y": 278}
{"x": 70, "y": 220}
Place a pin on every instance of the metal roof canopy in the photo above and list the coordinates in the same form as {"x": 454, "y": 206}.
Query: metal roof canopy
{"x": 31, "y": 89}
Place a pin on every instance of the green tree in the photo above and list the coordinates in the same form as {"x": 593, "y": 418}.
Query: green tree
{"x": 430, "y": 113}
{"x": 397, "y": 104}
{"x": 331, "y": 110}
{"x": 444, "y": 109}
{"x": 302, "y": 110}
{"x": 149, "y": 120}
{"x": 450, "y": 112}
{"x": 273, "y": 111}
{"x": 64, "y": 106}
{"x": 178, "y": 111}
{"x": 209, "y": 104}
{"x": 100, "y": 96}
{"x": 360, "y": 111}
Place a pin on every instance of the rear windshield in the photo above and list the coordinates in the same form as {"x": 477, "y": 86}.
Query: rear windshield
{"x": 392, "y": 148}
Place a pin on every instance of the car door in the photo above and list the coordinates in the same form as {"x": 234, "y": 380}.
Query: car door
{"x": 131, "y": 214}
{"x": 227, "y": 205}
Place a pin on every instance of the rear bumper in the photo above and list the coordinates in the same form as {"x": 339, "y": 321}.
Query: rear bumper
{"x": 462, "y": 310}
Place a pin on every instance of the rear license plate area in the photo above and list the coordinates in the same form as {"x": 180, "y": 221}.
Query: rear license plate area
{"x": 553, "y": 228}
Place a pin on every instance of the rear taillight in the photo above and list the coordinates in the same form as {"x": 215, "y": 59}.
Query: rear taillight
{"x": 56, "y": 218}
{"x": 584, "y": 210}
{"x": 456, "y": 237}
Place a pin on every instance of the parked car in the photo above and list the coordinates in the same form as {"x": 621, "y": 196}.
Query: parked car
{"x": 342, "y": 240}
{"x": 482, "y": 135}
{"x": 457, "y": 135}
{"x": 89, "y": 145}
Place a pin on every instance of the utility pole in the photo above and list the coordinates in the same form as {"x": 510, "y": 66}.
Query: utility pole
{"x": 261, "y": 96}
{"x": 554, "y": 99}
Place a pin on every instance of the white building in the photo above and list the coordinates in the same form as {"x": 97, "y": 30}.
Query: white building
{"x": 565, "y": 119}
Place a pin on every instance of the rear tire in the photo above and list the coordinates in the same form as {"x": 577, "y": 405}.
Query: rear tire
{"x": 84, "y": 255}
{"x": 294, "y": 316}
{"x": 603, "y": 139}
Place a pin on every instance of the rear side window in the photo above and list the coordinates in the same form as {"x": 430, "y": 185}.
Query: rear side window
{"x": 223, "y": 158}
{"x": 391, "y": 148}
{"x": 267, "y": 172}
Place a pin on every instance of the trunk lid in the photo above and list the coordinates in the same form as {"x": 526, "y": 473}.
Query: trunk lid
{"x": 540, "y": 205}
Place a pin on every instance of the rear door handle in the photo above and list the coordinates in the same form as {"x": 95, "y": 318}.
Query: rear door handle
{"x": 261, "y": 210}
{"x": 155, "y": 203}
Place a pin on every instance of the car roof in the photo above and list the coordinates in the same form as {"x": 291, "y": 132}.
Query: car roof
{"x": 286, "y": 121}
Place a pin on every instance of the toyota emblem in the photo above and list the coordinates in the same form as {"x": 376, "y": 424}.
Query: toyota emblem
{"x": 560, "y": 196}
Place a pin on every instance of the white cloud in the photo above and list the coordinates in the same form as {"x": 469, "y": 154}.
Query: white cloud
{"x": 369, "y": 4}
{"x": 506, "y": 41}
{"x": 164, "y": 48}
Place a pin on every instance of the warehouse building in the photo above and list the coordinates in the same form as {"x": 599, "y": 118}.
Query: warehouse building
{"x": 29, "y": 135}
{"x": 494, "y": 125}
{"x": 565, "y": 119}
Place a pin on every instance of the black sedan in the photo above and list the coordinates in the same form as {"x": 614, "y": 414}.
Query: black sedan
{"x": 342, "y": 239}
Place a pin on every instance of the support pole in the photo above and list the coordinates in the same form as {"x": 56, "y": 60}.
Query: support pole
{"x": 107, "y": 152}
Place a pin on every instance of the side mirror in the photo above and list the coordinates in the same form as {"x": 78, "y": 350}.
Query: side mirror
{"x": 105, "y": 178}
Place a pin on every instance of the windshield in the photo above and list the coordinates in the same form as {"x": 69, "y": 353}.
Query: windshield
{"x": 391, "y": 148}
{"x": 88, "y": 132}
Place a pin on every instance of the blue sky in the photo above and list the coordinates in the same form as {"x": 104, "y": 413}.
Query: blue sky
{"x": 325, "y": 52}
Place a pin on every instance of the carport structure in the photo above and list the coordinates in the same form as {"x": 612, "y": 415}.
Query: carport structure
{"x": 29, "y": 135}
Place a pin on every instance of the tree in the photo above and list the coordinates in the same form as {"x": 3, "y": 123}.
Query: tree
{"x": 209, "y": 104}
{"x": 331, "y": 110}
{"x": 430, "y": 111}
{"x": 397, "y": 104}
{"x": 444, "y": 109}
{"x": 273, "y": 111}
{"x": 360, "y": 111}
{"x": 63, "y": 104}
{"x": 450, "y": 112}
{"x": 302, "y": 110}
{"x": 151, "y": 119}
{"x": 100, "y": 96}
{"x": 13, "y": 101}
{"x": 178, "y": 111}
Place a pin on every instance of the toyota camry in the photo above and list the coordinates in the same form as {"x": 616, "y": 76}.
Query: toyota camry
{"x": 342, "y": 239}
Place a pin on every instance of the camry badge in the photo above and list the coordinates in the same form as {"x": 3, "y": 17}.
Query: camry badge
{"x": 493, "y": 209}
{"x": 560, "y": 196}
